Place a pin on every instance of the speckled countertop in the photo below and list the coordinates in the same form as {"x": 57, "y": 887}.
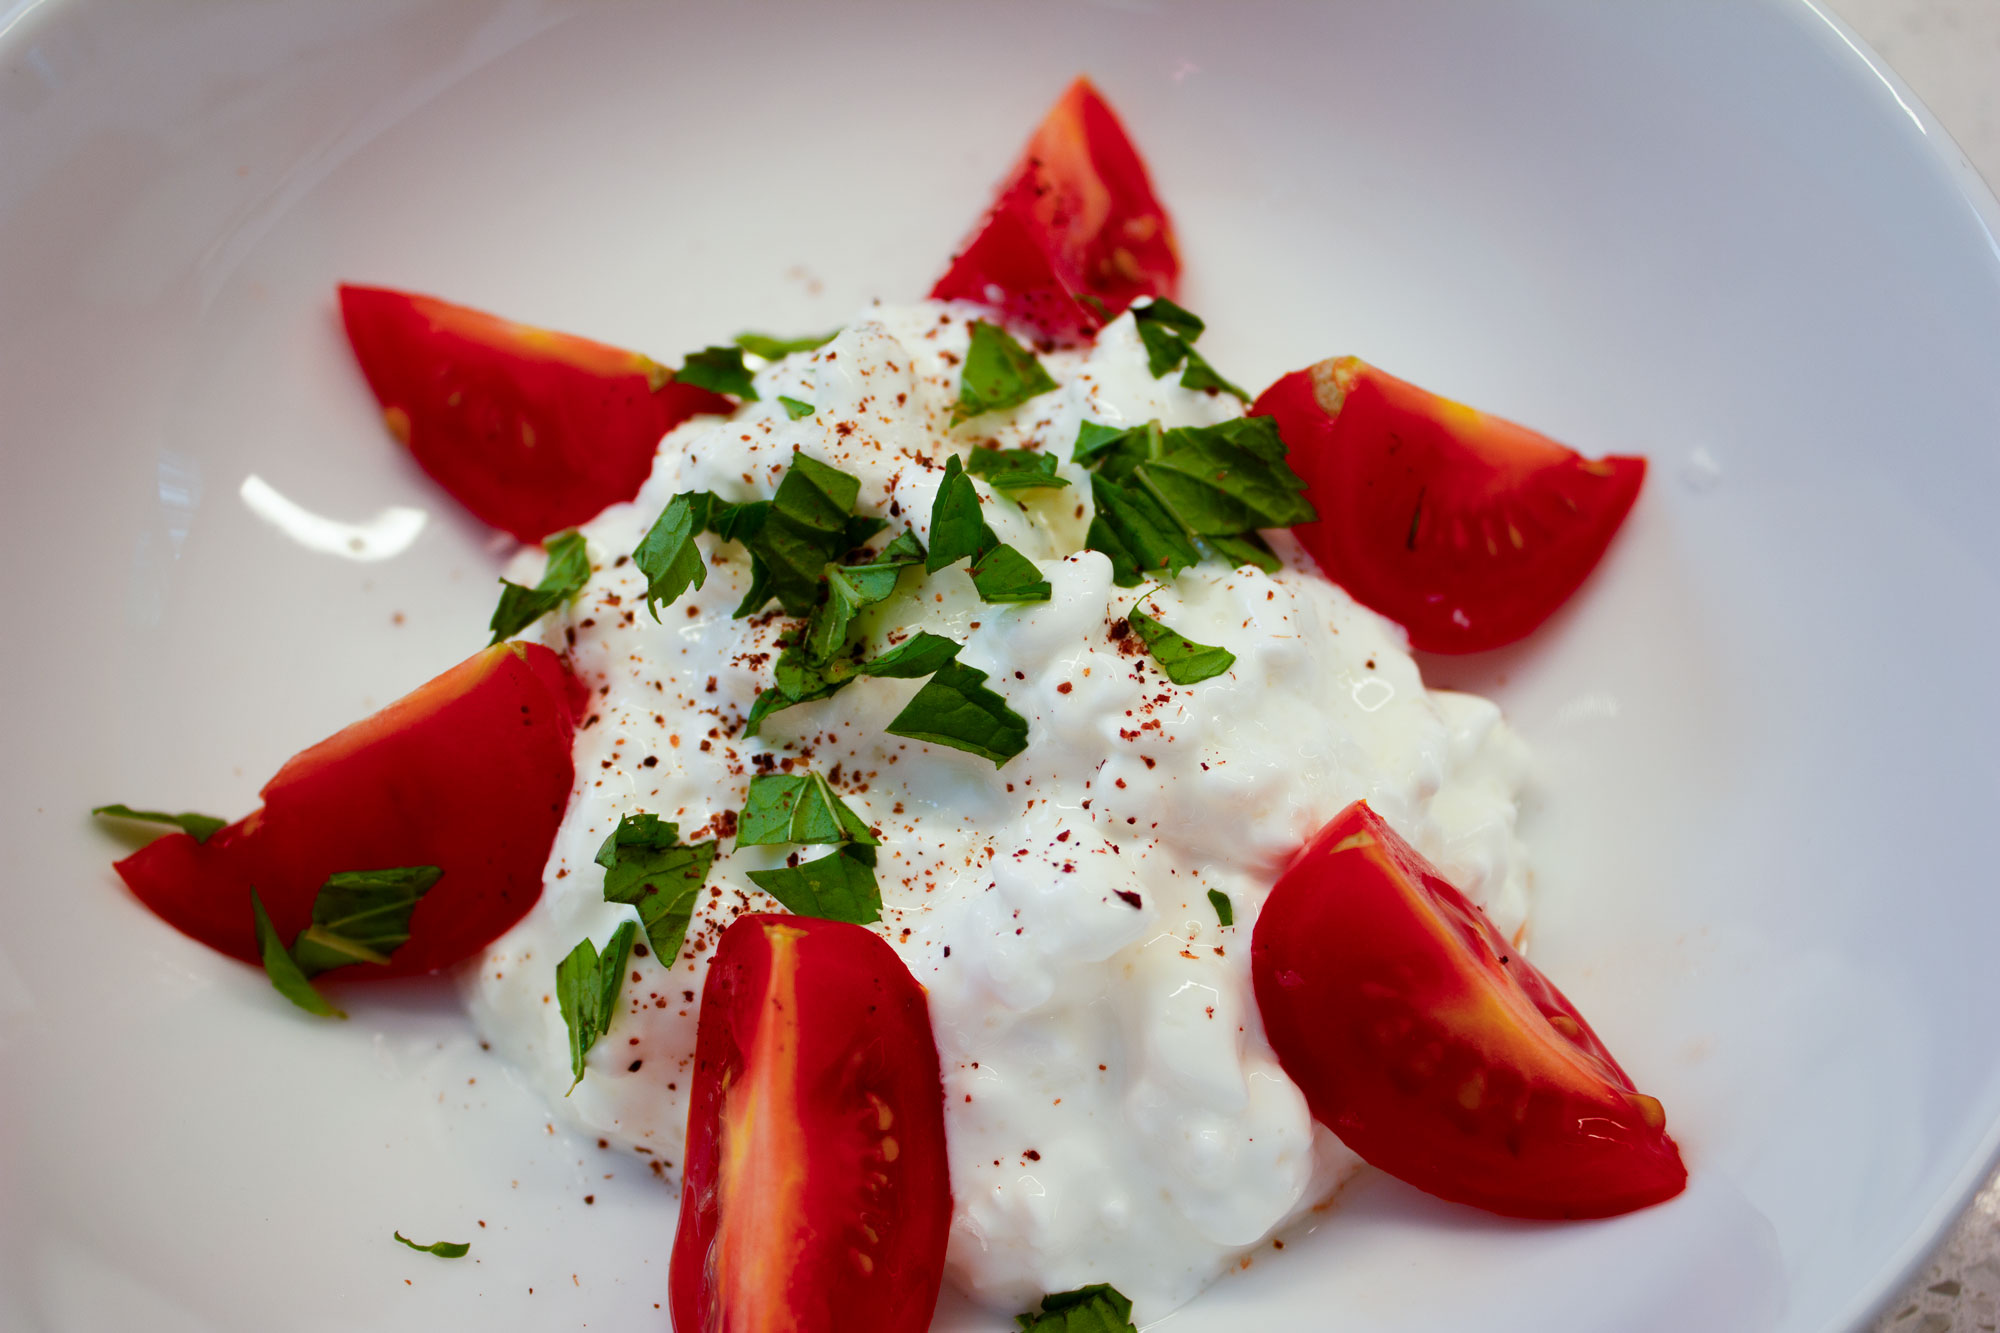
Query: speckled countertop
{"x": 1948, "y": 51}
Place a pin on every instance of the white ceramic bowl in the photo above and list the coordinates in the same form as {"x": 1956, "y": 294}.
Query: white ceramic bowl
{"x": 1714, "y": 233}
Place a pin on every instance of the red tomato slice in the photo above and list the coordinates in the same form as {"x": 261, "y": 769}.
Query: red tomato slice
{"x": 1467, "y": 529}
{"x": 1075, "y": 234}
{"x": 1437, "y": 1052}
{"x": 470, "y": 773}
{"x": 816, "y": 1196}
{"x": 532, "y": 431}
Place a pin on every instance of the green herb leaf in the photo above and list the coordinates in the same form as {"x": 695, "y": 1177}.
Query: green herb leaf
{"x": 839, "y": 886}
{"x": 1184, "y": 661}
{"x": 954, "y": 708}
{"x": 1094, "y": 439}
{"x": 1225, "y": 911}
{"x": 199, "y": 827}
{"x": 903, "y": 549}
{"x": 563, "y": 577}
{"x": 720, "y": 369}
{"x": 668, "y": 556}
{"x": 795, "y": 408}
{"x": 1015, "y": 469}
{"x": 444, "y": 1249}
{"x": 647, "y": 866}
{"x": 797, "y": 807}
{"x": 1138, "y": 534}
{"x": 771, "y": 349}
{"x": 283, "y": 972}
{"x": 999, "y": 373}
{"x": 1169, "y": 331}
{"x": 361, "y": 916}
{"x": 587, "y": 986}
{"x": 1227, "y": 478}
{"x": 796, "y": 534}
{"x": 1093, "y": 1309}
{"x": 959, "y": 531}
{"x": 923, "y": 654}
{"x": 1200, "y": 375}
{"x": 848, "y": 589}
{"x": 1003, "y": 574}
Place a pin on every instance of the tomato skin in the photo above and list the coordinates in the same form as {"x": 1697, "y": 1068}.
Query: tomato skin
{"x": 1466, "y": 529}
{"x": 532, "y": 431}
{"x": 1434, "y": 1050}
{"x": 471, "y": 772}
{"x": 1076, "y": 218}
{"x": 816, "y": 1196}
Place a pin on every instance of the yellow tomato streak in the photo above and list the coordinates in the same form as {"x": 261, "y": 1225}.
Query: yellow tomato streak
{"x": 762, "y": 1185}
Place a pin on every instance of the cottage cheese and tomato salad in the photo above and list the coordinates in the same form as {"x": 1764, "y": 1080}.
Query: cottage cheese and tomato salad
{"x": 955, "y": 793}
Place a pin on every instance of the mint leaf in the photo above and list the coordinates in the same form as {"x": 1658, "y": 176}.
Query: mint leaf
{"x": 771, "y": 349}
{"x": 839, "y": 886}
{"x": 954, "y": 708}
{"x": 1225, "y": 911}
{"x": 852, "y": 587}
{"x": 444, "y": 1249}
{"x": 361, "y": 916}
{"x": 1200, "y": 375}
{"x": 1094, "y": 1309}
{"x": 959, "y": 531}
{"x": 999, "y": 373}
{"x": 199, "y": 827}
{"x": 795, "y": 408}
{"x": 799, "y": 680}
{"x": 563, "y": 577}
{"x": 720, "y": 369}
{"x": 1169, "y": 331}
{"x": 1015, "y": 469}
{"x": 1094, "y": 439}
{"x": 1139, "y": 535}
{"x": 647, "y": 866}
{"x": 920, "y": 655}
{"x": 797, "y": 807}
{"x": 282, "y": 970}
{"x": 1003, "y": 574}
{"x": 1184, "y": 661}
{"x": 796, "y": 534}
{"x": 587, "y": 986}
{"x": 668, "y": 556}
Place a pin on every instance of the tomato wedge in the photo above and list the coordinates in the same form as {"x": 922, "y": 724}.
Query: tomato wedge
{"x": 1467, "y": 529}
{"x": 1075, "y": 234}
{"x": 816, "y": 1196}
{"x": 1437, "y": 1052}
{"x": 470, "y": 773}
{"x": 532, "y": 431}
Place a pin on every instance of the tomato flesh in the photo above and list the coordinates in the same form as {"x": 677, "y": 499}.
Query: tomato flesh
{"x": 470, "y": 773}
{"x": 532, "y": 431}
{"x": 1434, "y": 1050}
{"x": 1075, "y": 234}
{"x": 1466, "y": 529}
{"x": 816, "y": 1196}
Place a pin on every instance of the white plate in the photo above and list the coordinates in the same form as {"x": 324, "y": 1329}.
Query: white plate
{"x": 1713, "y": 233}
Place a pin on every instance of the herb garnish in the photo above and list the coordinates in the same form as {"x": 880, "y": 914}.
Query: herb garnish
{"x": 954, "y": 708}
{"x": 444, "y": 1249}
{"x": 797, "y": 807}
{"x": 839, "y": 886}
{"x": 796, "y": 408}
{"x": 800, "y": 681}
{"x": 647, "y": 866}
{"x": 1169, "y": 331}
{"x": 361, "y": 916}
{"x": 283, "y": 971}
{"x": 720, "y": 369}
{"x": 1093, "y": 1309}
{"x": 199, "y": 827}
{"x": 1225, "y": 911}
{"x": 1015, "y": 469}
{"x": 959, "y": 531}
{"x": 1184, "y": 661}
{"x": 568, "y": 569}
{"x": 587, "y": 986}
{"x": 999, "y": 373}
{"x": 1167, "y": 499}
{"x": 851, "y": 587}
{"x": 773, "y": 349}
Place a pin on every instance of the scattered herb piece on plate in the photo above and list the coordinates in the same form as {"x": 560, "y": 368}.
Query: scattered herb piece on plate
{"x": 587, "y": 986}
{"x": 568, "y": 569}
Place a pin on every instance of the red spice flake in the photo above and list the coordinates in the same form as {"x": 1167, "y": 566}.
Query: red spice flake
{"x": 1064, "y": 688}
{"x": 1128, "y": 897}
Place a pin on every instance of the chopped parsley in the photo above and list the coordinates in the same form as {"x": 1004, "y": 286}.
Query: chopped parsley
{"x": 199, "y": 827}
{"x": 283, "y": 971}
{"x": 587, "y": 986}
{"x": 1167, "y": 499}
{"x": 648, "y": 866}
{"x": 720, "y": 369}
{"x": 959, "y": 531}
{"x": 1184, "y": 661}
{"x": 1169, "y": 332}
{"x": 795, "y": 408}
{"x": 1015, "y": 469}
{"x": 1225, "y": 911}
{"x": 568, "y": 569}
{"x": 444, "y": 1249}
{"x": 772, "y": 349}
{"x": 956, "y": 709}
{"x": 1094, "y": 1309}
{"x": 839, "y": 886}
{"x": 999, "y": 373}
{"x": 797, "y": 807}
